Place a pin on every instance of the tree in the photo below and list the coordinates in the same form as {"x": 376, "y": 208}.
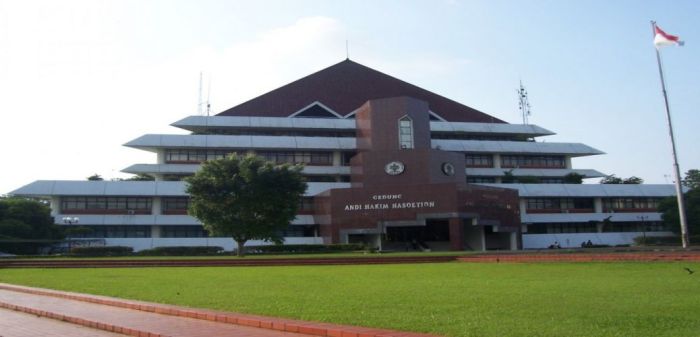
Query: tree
{"x": 95, "y": 177}
{"x": 246, "y": 198}
{"x": 692, "y": 179}
{"x": 633, "y": 180}
{"x": 138, "y": 177}
{"x": 612, "y": 179}
{"x": 669, "y": 209}
{"x": 26, "y": 225}
{"x": 573, "y": 178}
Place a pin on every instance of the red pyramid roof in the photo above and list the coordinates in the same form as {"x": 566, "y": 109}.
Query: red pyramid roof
{"x": 344, "y": 87}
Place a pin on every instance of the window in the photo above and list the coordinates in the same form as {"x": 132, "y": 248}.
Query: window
{"x": 405, "y": 133}
{"x": 193, "y": 156}
{"x": 625, "y": 204}
{"x": 306, "y": 205}
{"x": 549, "y": 205}
{"x": 529, "y": 161}
{"x": 106, "y": 205}
{"x": 478, "y": 160}
{"x": 481, "y": 180}
{"x": 175, "y": 205}
{"x": 308, "y": 158}
{"x": 183, "y": 232}
{"x": 113, "y": 232}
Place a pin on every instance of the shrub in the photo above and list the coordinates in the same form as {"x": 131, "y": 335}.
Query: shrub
{"x": 664, "y": 240}
{"x": 304, "y": 249}
{"x": 102, "y": 251}
{"x": 182, "y": 251}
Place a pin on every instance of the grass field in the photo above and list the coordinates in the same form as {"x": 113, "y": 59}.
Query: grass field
{"x": 452, "y": 299}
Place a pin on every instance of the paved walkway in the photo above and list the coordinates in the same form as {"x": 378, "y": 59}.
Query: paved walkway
{"x": 145, "y": 319}
{"x": 17, "y": 324}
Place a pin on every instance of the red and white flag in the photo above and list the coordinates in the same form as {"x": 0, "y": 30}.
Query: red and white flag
{"x": 662, "y": 39}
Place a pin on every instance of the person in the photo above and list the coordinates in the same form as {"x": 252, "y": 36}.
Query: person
{"x": 557, "y": 245}
{"x": 584, "y": 244}
{"x": 589, "y": 243}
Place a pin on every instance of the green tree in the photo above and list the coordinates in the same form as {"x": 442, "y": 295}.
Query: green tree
{"x": 633, "y": 180}
{"x": 508, "y": 177}
{"x": 692, "y": 179}
{"x": 573, "y": 178}
{"x": 612, "y": 179}
{"x": 26, "y": 225}
{"x": 140, "y": 177}
{"x": 246, "y": 198}
{"x": 669, "y": 209}
{"x": 95, "y": 177}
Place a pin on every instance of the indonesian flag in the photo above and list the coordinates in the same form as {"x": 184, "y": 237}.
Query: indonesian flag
{"x": 662, "y": 39}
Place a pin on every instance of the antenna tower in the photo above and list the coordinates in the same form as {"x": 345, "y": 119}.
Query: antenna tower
{"x": 199, "y": 100}
{"x": 523, "y": 103}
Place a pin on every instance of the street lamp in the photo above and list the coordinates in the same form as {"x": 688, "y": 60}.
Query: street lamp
{"x": 644, "y": 227}
{"x": 68, "y": 220}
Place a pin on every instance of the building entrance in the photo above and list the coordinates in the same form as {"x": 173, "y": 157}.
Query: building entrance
{"x": 435, "y": 235}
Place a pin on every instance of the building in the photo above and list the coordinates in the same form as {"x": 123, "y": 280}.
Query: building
{"x": 387, "y": 163}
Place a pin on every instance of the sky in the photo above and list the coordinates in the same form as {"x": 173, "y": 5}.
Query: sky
{"x": 80, "y": 78}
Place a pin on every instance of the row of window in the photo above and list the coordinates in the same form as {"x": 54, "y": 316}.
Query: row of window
{"x": 106, "y": 203}
{"x": 559, "y": 203}
{"x": 630, "y": 203}
{"x": 291, "y": 133}
{"x": 196, "y": 156}
{"x": 513, "y": 161}
{"x": 592, "y": 227}
{"x": 277, "y": 157}
{"x": 292, "y": 157}
{"x": 543, "y": 205}
{"x": 170, "y": 231}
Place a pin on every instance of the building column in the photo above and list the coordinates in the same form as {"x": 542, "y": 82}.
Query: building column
{"x": 155, "y": 231}
{"x": 567, "y": 162}
{"x": 456, "y": 234}
{"x": 598, "y": 205}
{"x": 337, "y": 158}
{"x": 55, "y": 205}
{"x": 497, "y": 160}
{"x": 514, "y": 241}
{"x": 155, "y": 206}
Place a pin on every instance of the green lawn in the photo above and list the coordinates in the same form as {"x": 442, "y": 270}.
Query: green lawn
{"x": 452, "y": 299}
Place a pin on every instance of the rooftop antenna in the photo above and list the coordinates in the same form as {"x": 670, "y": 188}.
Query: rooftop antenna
{"x": 208, "y": 95}
{"x": 523, "y": 103}
{"x": 199, "y": 101}
{"x": 347, "y": 49}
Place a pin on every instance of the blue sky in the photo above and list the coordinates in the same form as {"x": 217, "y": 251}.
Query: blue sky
{"x": 80, "y": 78}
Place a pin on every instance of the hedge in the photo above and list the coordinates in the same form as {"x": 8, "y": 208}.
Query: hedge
{"x": 102, "y": 251}
{"x": 182, "y": 251}
{"x": 664, "y": 240}
{"x": 304, "y": 249}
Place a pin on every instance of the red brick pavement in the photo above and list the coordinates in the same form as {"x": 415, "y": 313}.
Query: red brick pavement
{"x": 17, "y": 324}
{"x": 138, "y": 318}
{"x": 254, "y": 262}
{"x": 693, "y": 256}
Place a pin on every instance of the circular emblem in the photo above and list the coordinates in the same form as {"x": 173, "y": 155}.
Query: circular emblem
{"x": 448, "y": 169}
{"x": 394, "y": 168}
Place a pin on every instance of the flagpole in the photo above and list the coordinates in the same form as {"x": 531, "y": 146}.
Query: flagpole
{"x": 676, "y": 169}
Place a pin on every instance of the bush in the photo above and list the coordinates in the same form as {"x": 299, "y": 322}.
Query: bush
{"x": 304, "y": 249}
{"x": 663, "y": 240}
{"x": 182, "y": 251}
{"x": 102, "y": 251}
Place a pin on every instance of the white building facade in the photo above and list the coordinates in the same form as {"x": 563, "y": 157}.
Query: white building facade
{"x": 313, "y": 122}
